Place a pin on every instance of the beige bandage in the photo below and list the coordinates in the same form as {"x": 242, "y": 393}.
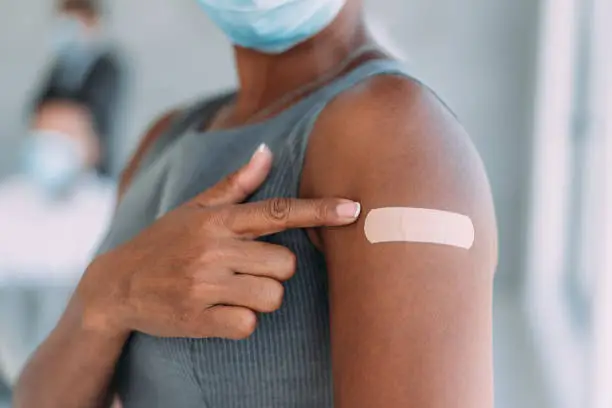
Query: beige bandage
{"x": 419, "y": 225}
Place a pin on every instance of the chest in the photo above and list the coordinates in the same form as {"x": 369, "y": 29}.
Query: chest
{"x": 287, "y": 361}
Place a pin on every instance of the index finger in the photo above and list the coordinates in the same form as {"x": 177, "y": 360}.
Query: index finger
{"x": 276, "y": 215}
{"x": 238, "y": 186}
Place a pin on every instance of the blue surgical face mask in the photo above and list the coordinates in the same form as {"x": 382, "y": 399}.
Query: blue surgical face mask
{"x": 52, "y": 161}
{"x": 271, "y": 26}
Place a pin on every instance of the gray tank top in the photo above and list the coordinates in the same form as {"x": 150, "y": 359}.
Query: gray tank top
{"x": 287, "y": 362}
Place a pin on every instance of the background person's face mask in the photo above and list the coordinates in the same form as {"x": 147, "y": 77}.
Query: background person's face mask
{"x": 53, "y": 162}
{"x": 271, "y": 26}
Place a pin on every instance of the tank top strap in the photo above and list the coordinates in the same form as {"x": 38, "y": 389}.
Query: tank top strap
{"x": 367, "y": 70}
{"x": 358, "y": 75}
{"x": 297, "y": 143}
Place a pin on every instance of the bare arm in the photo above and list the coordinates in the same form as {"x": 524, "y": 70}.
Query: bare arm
{"x": 73, "y": 367}
{"x": 411, "y": 323}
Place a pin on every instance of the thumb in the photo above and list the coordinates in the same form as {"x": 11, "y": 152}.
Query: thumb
{"x": 238, "y": 186}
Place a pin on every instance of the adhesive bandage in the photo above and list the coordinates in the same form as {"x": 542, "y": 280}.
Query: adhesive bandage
{"x": 419, "y": 225}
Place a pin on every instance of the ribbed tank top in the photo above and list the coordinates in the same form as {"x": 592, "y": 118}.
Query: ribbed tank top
{"x": 287, "y": 362}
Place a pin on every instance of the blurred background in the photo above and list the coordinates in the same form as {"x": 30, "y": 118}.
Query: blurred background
{"x": 531, "y": 80}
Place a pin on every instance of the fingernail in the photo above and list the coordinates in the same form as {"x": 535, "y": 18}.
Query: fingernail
{"x": 349, "y": 210}
{"x": 262, "y": 153}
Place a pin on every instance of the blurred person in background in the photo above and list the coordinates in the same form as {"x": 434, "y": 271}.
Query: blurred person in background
{"x": 214, "y": 286}
{"x": 55, "y": 210}
{"x": 87, "y": 71}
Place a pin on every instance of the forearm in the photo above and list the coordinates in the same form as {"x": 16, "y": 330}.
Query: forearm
{"x": 73, "y": 368}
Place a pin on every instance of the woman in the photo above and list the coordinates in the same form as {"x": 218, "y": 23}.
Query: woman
{"x": 360, "y": 324}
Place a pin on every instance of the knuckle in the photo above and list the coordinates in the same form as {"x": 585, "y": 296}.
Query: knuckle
{"x": 322, "y": 211}
{"x": 244, "y": 325}
{"x": 232, "y": 182}
{"x": 200, "y": 292}
{"x": 206, "y": 291}
{"x": 212, "y": 219}
{"x": 225, "y": 218}
{"x": 278, "y": 209}
{"x": 289, "y": 265}
{"x": 208, "y": 258}
{"x": 273, "y": 296}
{"x": 212, "y": 254}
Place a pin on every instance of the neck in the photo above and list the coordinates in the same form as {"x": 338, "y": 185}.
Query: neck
{"x": 265, "y": 78}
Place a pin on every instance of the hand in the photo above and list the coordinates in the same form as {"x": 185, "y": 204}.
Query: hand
{"x": 197, "y": 272}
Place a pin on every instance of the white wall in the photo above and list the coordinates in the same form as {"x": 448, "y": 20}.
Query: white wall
{"x": 478, "y": 54}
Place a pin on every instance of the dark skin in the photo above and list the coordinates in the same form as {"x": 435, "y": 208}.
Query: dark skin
{"x": 411, "y": 323}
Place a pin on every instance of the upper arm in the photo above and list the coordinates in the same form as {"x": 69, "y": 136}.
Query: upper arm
{"x": 151, "y": 136}
{"x": 411, "y": 323}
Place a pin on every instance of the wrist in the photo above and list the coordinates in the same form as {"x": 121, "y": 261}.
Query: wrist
{"x": 99, "y": 302}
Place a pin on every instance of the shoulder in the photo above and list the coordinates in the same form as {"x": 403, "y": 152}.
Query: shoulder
{"x": 392, "y": 142}
{"x": 389, "y": 121}
{"x": 390, "y": 114}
